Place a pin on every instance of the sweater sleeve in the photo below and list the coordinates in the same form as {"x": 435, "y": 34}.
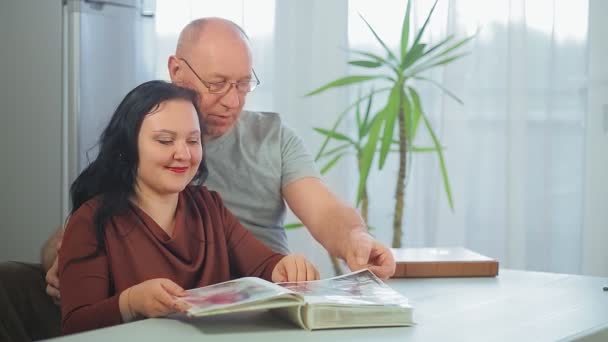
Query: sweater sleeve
{"x": 87, "y": 301}
{"x": 248, "y": 256}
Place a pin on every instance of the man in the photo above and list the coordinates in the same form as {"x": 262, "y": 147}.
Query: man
{"x": 254, "y": 161}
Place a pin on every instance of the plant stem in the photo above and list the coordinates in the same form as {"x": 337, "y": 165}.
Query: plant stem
{"x": 364, "y": 205}
{"x": 400, "y": 189}
{"x": 364, "y": 196}
{"x": 335, "y": 263}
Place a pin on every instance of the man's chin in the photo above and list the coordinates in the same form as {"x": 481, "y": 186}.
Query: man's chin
{"x": 214, "y": 132}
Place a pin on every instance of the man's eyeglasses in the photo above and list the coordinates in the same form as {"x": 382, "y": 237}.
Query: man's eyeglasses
{"x": 243, "y": 86}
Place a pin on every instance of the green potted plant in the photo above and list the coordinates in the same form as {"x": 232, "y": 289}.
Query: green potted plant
{"x": 349, "y": 145}
{"x": 399, "y": 72}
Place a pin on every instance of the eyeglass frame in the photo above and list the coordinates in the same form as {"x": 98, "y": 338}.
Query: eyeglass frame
{"x": 234, "y": 84}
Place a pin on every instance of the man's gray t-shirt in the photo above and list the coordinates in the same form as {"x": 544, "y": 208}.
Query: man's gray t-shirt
{"x": 249, "y": 165}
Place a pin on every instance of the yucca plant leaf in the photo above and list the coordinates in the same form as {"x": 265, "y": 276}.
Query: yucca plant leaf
{"x": 445, "y": 90}
{"x": 447, "y": 60}
{"x": 388, "y": 51}
{"x": 365, "y": 125}
{"x": 413, "y": 56}
{"x": 429, "y": 64}
{"x": 405, "y": 30}
{"x": 332, "y": 162}
{"x": 427, "y": 61}
{"x": 416, "y": 113}
{"x": 426, "y": 22}
{"x": 358, "y": 114}
{"x": 335, "y": 135}
{"x": 424, "y": 149}
{"x": 391, "y": 64}
{"x": 293, "y": 225}
{"x": 415, "y": 148}
{"x": 336, "y": 150}
{"x": 343, "y": 114}
{"x": 366, "y": 64}
{"x": 327, "y": 139}
{"x": 444, "y": 172}
{"x": 370, "y": 55}
{"x": 438, "y": 45}
{"x": 369, "y": 152}
{"x": 453, "y": 47}
{"x": 391, "y": 113}
{"x": 344, "y": 81}
{"x": 409, "y": 114}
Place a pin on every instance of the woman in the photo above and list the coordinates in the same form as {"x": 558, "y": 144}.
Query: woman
{"x": 142, "y": 228}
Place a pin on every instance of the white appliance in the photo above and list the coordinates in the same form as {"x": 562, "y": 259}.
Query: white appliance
{"x": 109, "y": 50}
{"x": 64, "y": 67}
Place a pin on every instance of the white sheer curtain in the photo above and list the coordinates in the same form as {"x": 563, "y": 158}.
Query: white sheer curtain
{"x": 515, "y": 149}
{"x": 310, "y": 44}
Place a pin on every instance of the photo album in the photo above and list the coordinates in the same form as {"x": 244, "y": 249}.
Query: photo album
{"x": 357, "y": 299}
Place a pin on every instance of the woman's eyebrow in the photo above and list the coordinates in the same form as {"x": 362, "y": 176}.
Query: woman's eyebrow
{"x": 165, "y": 131}
{"x": 194, "y": 131}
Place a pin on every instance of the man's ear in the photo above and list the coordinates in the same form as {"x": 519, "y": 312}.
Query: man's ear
{"x": 174, "y": 69}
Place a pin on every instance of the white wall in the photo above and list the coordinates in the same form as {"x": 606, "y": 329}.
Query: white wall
{"x": 595, "y": 234}
{"x": 30, "y": 125}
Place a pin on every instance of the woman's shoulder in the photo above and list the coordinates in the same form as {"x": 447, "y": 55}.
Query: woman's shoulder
{"x": 80, "y": 221}
{"x": 86, "y": 210}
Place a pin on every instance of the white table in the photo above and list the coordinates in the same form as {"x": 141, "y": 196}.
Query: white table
{"x": 515, "y": 306}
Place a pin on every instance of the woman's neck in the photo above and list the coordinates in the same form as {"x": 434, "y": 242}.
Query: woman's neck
{"x": 161, "y": 208}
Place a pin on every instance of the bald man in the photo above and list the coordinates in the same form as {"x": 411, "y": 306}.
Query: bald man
{"x": 255, "y": 162}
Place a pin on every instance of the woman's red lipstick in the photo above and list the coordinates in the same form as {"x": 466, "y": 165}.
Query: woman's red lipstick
{"x": 178, "y": 169}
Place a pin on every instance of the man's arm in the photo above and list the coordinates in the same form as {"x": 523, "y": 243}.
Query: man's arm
{"x": 337, "y": 226}
{"x": 48, "y": 254}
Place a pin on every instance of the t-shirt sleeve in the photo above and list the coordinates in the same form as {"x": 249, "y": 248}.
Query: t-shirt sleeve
{"x": 296, "y": 161}
{"x": 248, "y": 257}
{"x": 84, "y": 275}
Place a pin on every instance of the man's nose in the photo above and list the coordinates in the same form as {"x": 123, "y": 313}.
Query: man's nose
{"x": 232, "y": 98}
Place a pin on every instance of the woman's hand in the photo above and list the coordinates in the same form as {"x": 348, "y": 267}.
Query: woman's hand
{"x": 294, "y": 268}
{"x": 151, "y": 298}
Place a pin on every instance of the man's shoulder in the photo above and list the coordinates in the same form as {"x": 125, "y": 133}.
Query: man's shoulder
{"x": 261, "y": 125}
{"x": 265, "y": 119}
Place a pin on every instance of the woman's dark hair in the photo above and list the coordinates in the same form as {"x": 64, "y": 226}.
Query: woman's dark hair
{"x": 112, "y": 175}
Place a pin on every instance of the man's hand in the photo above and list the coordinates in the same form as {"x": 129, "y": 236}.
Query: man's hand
{"x": 338, "y": 227}
{"x": 363, "y": 251}
{"x": 52, "y": 275}
{"x": 294, "y": 268}
{"x": 52, "y": 282}
{"x": 48, "y": 254}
